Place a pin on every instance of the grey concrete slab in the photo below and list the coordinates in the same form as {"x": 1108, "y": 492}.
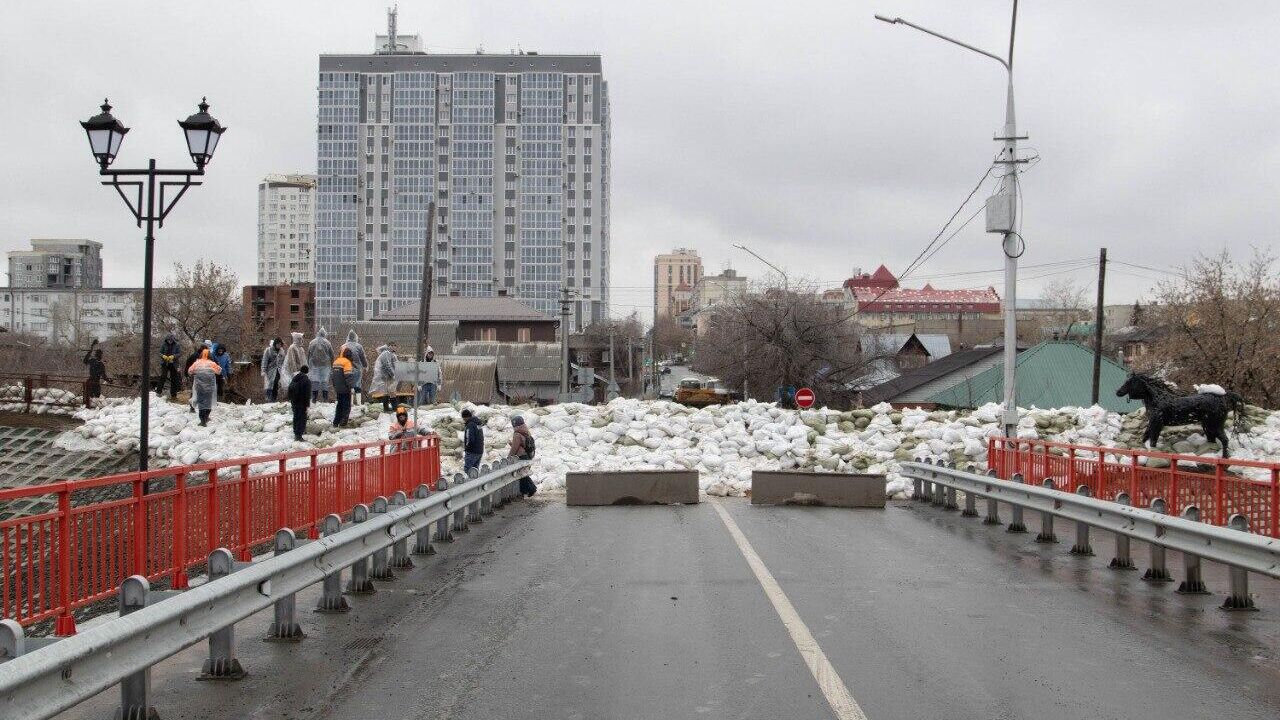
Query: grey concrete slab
{"x": 927, "y": 614}
{"x": 632, "y": 487}
{"x": 798, "y": 487}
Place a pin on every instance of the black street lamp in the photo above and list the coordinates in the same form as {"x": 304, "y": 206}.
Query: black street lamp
{"x": 150, "y": 199}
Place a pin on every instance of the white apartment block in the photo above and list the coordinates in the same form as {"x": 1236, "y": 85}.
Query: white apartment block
{"x": 512, "y": 148}
{"x": 286, "y": 229}
{"x": 71, "y": 316}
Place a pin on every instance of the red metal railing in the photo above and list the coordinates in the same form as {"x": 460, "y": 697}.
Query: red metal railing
{"x": 1209, "y": 484}
{"x": 80, "y": 552}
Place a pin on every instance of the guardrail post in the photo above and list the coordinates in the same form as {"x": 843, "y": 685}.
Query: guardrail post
{"x": 1016, "y": 524}
{"x": 970, "y": 500}
{"x": 503, "y": 493}
{"x": 135, "y": 690}
{"x": 917, "y": 489}
{"x": 949, "y": 493}
{"x": 1082, "y": 546}
{"x": 13, "y": 640}
{"x": 460, "y": 515}
{"x": 1046, "y": 534}
{"x": 381, "y": 564}
{"x": 443, "y": 532}
{"x": 1123, "y": 560}
{"x": 360, "y": 583}
{"x": 422, "y": 539}
{"x": 1194, "y": 582}
{"x": 400, "y": 548}
{"x": 285, "y": 627}
{"x": 473, "y": 510}
{"x": 1158, "y": 571}
{"x": 222, "y": 663}
{"x": 993, "y": 506}
{"x": 331, "y": 599}
{"x": 1239, "y": 599}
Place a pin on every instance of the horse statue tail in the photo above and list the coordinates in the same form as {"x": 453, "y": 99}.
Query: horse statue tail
{"x": 1235, "y": 404}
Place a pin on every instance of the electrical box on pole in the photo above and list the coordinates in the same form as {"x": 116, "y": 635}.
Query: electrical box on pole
{"x": 1002, "y": 212}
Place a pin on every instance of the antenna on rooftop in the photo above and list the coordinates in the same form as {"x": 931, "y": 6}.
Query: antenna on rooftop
{"x": 391, "y": 28}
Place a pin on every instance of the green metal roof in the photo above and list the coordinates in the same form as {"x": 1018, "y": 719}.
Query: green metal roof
{"x": 1052, "y": 374}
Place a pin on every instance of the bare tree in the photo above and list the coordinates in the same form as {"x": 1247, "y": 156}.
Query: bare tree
{"x": 782, "y": 339}
{"x": 669, "y": 337}
{"x": 1219, "y": 322}
{"x": 1067, "y": 304}
{"x": 200, "y": 302}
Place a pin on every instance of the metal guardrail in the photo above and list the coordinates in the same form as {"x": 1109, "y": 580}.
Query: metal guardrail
{"x": 1235, "y": 546}
{"x": 154, "y": 625}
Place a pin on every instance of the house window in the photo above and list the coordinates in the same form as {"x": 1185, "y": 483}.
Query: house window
{"x": 524, "y": 334}
{"x": 489, "y": 334}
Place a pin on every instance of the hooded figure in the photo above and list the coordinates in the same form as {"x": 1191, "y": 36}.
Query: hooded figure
{"x": 320, "y": 359}
{"x": 169, "y": 350}
{"x": 272, "y": 367}
{"x": 358, "y": 360}
{"x": 223, "y": 357}
{"x": 522, "y": 448}
{"x": 204, "y": 384}
{"x": 431, "y": 377}
{"x": 402, "y": 426}
{"x": 384, "y": 377}
{"x": 97, "y": 369}
{"x": 295, "y": 356}
{"x": 472, "y": 441}
{"x": 343, "y": 371}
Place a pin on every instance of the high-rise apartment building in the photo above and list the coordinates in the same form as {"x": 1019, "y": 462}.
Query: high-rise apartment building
{"x": 513, "y": 149}
{"x": 675, "y": 275}
{"x": 53, "y": 263}
{"x": 286, "y": 229}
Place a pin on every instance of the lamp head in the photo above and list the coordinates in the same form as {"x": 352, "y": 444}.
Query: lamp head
{"x": 105, "y": 135}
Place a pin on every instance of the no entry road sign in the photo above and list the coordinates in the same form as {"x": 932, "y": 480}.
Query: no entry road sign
{"x": 804, "y": 398}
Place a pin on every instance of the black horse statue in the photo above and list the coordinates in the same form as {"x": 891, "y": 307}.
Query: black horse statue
{"x": 1209, "y": 407}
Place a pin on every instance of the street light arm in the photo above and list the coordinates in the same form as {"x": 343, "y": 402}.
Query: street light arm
{"x": 940, "y": 36}
{"x": 786, "y": 283}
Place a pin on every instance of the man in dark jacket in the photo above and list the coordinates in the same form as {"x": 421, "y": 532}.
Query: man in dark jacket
{"x": 169, "y": 350}
{"x": 299, "y": 393}
{"x": 472, "y": 441}
{"x": 97, "y": 370}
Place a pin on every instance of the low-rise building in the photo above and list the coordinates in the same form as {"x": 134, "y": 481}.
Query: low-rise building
{"x": 272, "y": 311}
{"x": 71, "y": 316}
{"x": 493, "y": 319}
{"x": 56, "y": 263}
{"x": 968, "y": 316}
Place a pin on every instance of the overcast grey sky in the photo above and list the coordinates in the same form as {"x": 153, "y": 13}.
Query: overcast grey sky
{"x": 807, "y": 130}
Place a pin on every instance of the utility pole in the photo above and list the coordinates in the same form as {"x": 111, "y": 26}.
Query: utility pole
{"x": 1097, "y": 324}
{"x": 564, "y": 344}
{"x": 424, "y": 310}
{"x": 612, "y": 392}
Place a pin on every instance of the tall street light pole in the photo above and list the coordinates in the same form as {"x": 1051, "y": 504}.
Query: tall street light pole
{"x": 150, "y": 196}
{"x": 1001, "y": 215}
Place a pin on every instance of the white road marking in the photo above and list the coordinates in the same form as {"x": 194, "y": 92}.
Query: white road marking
{"x": 833, "y": 688}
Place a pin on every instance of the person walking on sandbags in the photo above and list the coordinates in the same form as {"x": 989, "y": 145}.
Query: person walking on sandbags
{"x": 384, "y": 378}
{"x": 295, "y": 356}
{"x": 472, "y": 441}
{"x": 272, "y": 369}
{"x": 169, "y": 350}
{"x": 359, "y": 363}
{"x": 320, "y": 359}
{"x": 342, "y": 374}
{"x": 204, "y": 385}
{"x": 299, "y": 395}
{"x": 432, "y": 379}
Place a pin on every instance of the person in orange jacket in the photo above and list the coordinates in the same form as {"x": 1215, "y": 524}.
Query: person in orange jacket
{"x": 343, "y": 377}
{"x": 204, "y": 374}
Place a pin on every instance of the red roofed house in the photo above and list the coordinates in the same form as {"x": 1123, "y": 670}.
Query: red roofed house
{"x": 968, "y": 316}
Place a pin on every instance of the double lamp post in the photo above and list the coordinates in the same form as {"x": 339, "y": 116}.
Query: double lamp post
{"x": 150, "y": 194}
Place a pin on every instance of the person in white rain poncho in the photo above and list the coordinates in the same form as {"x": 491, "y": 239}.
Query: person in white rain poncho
{"x": 320, "y": 359}
{"x": 384, "y": 377}
{"x": 204, "y": 385}
{"x": 272, "y": 369}
{"x": 359, "y": 363}
{"x": 295, "y": 357}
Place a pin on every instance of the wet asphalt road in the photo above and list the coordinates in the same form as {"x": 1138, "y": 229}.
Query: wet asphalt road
{"x": 546, "y": 611}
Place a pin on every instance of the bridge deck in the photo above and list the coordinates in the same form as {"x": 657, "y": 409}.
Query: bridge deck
{"x": 649, "y": 612}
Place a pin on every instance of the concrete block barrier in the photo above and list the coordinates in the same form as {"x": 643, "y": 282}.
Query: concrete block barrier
{"x": 786, "y": 487}
{"x": 632, "y": 487}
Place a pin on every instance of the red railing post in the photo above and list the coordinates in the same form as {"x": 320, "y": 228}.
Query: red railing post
{"x": 1275, "y": 502}
{"x": 1100, "y": 477}
{"x": 313, "y": 483}
{"x": 244, "y": 555}
{"x": 66, "y": 622}
{"x": 1175, "y": 505}
{"x": 180, "y": 580}
{"x": 338, "y": 477}
{"x": 282, "y": 497}
{"x": 139, "y": 527}
{"x": 1071, "y": 469}
{"x": 211, "y": 507}
{"x": 1133, "y": 481}
{"x": 1219, "y": 508}
{"x": 361, "y": 471}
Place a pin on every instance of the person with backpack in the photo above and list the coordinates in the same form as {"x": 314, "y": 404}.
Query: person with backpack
{"x": 523, "y": 447}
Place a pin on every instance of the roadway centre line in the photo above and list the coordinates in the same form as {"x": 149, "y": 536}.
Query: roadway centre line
{"x": 833, "y": 688}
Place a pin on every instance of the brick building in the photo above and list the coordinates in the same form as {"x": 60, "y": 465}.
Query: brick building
{"x": 276, "y": 310}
